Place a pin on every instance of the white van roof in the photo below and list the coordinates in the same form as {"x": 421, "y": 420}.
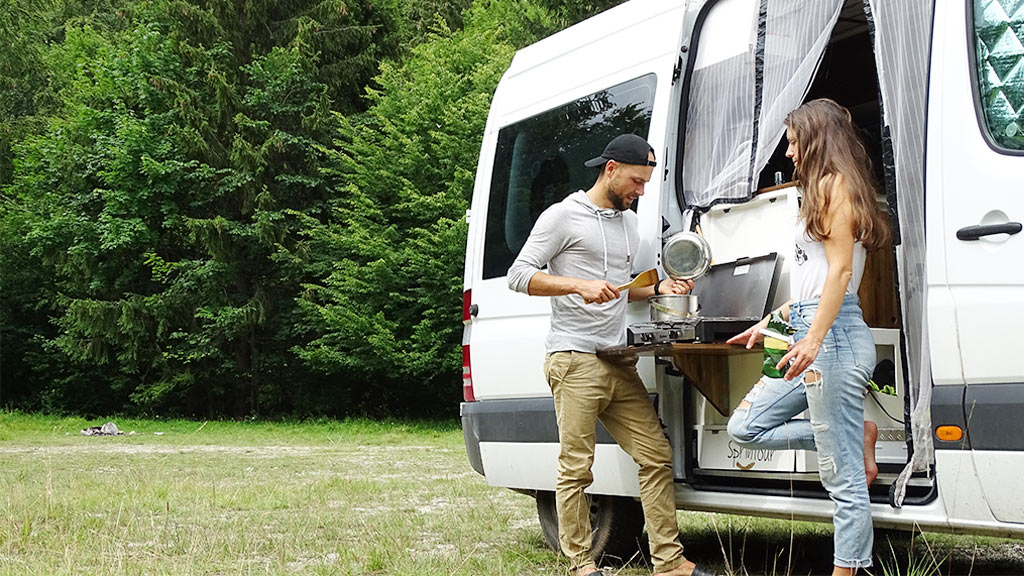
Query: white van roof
{"x": 614, "y": 46}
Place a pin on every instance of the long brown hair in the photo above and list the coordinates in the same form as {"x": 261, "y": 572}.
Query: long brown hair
{"x": 828, "y": 146}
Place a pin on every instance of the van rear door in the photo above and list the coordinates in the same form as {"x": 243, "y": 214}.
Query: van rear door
{"x": 975, "y": 188}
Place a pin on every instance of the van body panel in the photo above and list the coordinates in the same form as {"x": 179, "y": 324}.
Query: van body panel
{"x": 524, "y": 420}
{"x": 993, "y": 416}
{"x": 507, "y": 343}
{"x": 535, "y": 467}
{"x": 763, "y": 225}
{"x": 947, "y": 409}
{"x": 943, "y": 336}
{"x": 1001, "y": 477}
{"x": 960, "y": 487}
{"x": 972, "y": 183}
{"x": 726, "y": 32}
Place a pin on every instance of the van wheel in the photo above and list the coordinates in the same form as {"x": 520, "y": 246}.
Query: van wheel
{"x": 617, "y": 522}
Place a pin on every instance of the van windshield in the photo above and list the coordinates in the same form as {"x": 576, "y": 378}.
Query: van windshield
{"x": 539, "y": 161}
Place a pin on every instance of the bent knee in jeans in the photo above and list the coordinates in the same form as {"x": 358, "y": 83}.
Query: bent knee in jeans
{"x": 739, "y": 429}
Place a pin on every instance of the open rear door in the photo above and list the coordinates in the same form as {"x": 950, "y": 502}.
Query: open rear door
{"x": 750, "y": 62}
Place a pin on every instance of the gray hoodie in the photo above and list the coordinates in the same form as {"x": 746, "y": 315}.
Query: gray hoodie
{"x": 577, "y": 239}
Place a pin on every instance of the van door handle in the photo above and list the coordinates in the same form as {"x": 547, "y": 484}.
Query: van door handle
{"x": 975, "y": 232}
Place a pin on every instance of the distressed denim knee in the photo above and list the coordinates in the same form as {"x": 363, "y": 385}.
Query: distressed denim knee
{"x": 766, "y": 419}
{"x": 738, "y": 429}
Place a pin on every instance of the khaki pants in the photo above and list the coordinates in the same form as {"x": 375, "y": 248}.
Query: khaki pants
{"x": 587, "y": 388}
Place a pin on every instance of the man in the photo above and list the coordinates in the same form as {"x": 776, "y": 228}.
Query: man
{"x": 588, "y": 242}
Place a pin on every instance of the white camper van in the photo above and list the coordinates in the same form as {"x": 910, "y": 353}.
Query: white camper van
{"x": 938, "y": 89}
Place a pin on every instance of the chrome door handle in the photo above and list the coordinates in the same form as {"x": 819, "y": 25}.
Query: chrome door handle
{"x": 975, "y": 232}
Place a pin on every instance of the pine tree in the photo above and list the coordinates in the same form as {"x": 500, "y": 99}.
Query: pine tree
{"x": 388, "y": 315}
{"x": 168, "y": 199}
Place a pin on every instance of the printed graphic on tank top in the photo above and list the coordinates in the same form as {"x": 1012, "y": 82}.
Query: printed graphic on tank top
{"x": 807, "y": 278}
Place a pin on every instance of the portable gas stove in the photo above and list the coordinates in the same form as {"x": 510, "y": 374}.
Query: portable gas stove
{"x": 732, "y": 297}
{"x": 697, "y": 329}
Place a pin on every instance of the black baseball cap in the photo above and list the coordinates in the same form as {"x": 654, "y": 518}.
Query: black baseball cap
{"x": 624, "y": 149}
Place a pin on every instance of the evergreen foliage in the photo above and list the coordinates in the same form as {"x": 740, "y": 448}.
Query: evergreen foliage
{"x": 387, "y": 316}
{"x": 222, "y": 209}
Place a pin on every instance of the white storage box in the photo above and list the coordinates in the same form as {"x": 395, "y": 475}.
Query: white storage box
{"x": 717, "y": 451}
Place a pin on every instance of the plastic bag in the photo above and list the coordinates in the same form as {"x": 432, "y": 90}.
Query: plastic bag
{"x": 778, "y": 337}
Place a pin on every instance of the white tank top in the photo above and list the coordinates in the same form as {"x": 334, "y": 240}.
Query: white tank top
{"x": 807, "y": 276}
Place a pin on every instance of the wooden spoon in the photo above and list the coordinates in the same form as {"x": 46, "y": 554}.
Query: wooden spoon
{"x": 646, "y": 278}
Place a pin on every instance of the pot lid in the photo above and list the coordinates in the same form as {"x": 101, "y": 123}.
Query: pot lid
{"x": 686, "y": 256}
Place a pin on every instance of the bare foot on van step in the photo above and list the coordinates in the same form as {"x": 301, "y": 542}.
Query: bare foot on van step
{"x": 870, "y": 437}
{"x": 687, "y": 568}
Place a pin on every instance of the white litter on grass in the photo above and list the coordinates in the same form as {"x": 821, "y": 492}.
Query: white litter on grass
{"x": 108, "y": 429}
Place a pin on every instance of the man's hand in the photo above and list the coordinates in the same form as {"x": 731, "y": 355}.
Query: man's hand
{"x": 597, "y": 291}
{"x": 673, "y": 286}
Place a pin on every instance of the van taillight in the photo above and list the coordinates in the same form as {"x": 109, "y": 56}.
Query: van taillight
{"x": 467, "y": 376}
{"x": 467, "y": 372}
{"x": 467, "y": 302}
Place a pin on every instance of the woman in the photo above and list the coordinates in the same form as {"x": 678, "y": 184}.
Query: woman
{"x": 833, "y": 352}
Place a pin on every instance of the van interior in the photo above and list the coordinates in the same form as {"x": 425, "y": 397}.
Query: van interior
{"x": 847, "y": 74}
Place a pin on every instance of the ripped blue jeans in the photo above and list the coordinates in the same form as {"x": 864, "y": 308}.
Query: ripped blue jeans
{"x": 832, "y": 390}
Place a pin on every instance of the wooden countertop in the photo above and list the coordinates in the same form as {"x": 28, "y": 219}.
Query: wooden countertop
{"x": 705, "y": 365}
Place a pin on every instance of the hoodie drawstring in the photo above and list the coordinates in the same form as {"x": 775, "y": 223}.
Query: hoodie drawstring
{"x": 604, "y": 240}
{"x": 625, "y": 234}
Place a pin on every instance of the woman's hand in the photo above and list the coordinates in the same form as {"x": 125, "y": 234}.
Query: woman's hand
{"x": 802, "y": 354}
{"x": 751, "y": 335}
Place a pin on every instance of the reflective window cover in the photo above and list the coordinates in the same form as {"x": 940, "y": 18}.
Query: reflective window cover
{"x": 999, "y": 54}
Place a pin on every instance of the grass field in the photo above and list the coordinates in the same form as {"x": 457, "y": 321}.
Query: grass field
{"x": 338, "y": 498}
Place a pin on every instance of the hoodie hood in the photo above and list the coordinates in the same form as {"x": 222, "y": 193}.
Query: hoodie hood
{"x": 602, "y": 214}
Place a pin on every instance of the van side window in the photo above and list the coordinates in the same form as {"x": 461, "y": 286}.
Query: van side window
{"x": 999, "y": 62}
{"x": 539, "y": 161}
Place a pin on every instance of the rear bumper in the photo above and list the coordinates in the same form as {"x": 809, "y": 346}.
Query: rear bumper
{"x": 520, "y": 420}
{"x": 471, "y": 435}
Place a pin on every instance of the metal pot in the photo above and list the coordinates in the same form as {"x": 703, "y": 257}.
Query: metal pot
{"x": 671, "y": 307}
{"x": 686, "y": 256}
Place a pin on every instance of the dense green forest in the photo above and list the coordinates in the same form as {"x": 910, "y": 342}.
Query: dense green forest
{"x": 228, "y": 208}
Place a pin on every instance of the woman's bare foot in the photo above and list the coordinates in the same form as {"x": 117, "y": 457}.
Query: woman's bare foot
{"x": 586, "y": 570}
{"x": 870, "y": 437}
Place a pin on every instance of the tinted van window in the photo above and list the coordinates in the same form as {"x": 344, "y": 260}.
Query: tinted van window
{"x": 999, "y": 59}
{"x": 539, "y": 161}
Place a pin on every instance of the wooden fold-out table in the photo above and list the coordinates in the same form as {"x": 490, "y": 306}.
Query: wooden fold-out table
{"x": 706, "y": 366}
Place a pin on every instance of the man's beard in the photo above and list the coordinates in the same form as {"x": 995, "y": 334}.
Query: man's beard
{"x": 617, "y": 200}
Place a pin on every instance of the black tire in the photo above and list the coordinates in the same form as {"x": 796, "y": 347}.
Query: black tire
{"x": 617, "y": 523}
